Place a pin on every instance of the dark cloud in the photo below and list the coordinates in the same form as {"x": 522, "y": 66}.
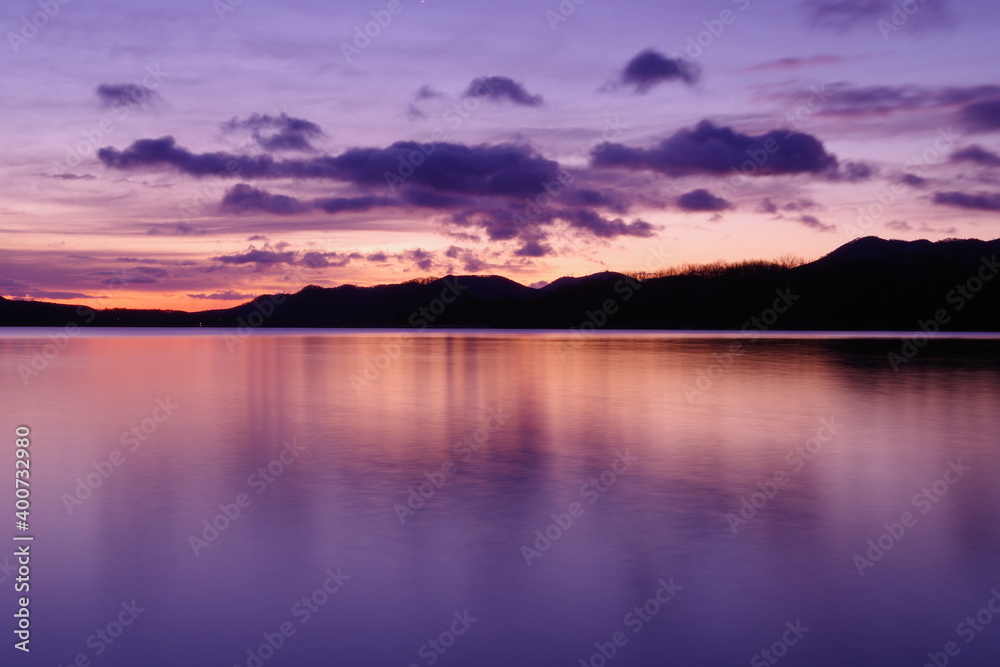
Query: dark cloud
{"x": 844, "y": 15}
{"x": 854, "y": 172}
{"x": 355, "y": 204}
{"x": 534, "y": 249}
{"x": 602, "y": 227}
{"x": 427, "y": 92}
{"x": 813, "y": 223}
{"x": 179, "y": 229}
{"x": 258, "y": 257}
{"x": 121, "y": 94}
{"x": 650, "y": 68}
{"x": 278, "y": 133}
{"x": 767, "y": 206}
{"x": 977, "y": 155}
{"x": 22, "y": 290}
{"x": 242, "y": 198}
{"x": 796, "y": 63}
{"x": 502, "y": 170}
{"x": 843, "y": 99}
{"x": 505, "y": 225}
{"x": 501, "y": 88}
{"x": 709, "y": 149}
{"x": 228, "y": 295}
{"x": 982, "y": 202}
{"x": 702, "y": 200}
{"x": 74, "y": 177}
{"x": 913, "y": 180}
{"x": 982, "y": 116}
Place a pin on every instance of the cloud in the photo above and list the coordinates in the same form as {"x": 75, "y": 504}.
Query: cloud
{"x": 504, "y": 169}
{"x": 505, "y": 225}
{"x": 702, "y": 200}
{"x": 258, "y": 257}
{"x": 913, "y": 180}
{"x": 899, "y": 226}
{"x": 242, "y": 198}
{"x": 228, "y": 295}
{"x": 356, "y": 204}
{"x": 278, "y": 133}
{"x": 854, "y": 172}
{"x": 796, "y": 63}
{"x": 843, "y": 99}
{"x": 767, "y": 206}
{"x": 22, "y": 290}
{"x": 983, "y": 201}
{"x": 179, "y": 229}
{"x": 501, "y": 88}
{"x": 650, "y": 68}
{"x": 813, "y": 223}
{"x": 709, "y": 149}
{"x": 982, "y": 116}
{"x": 74, "y": 177}
{"x": 534, "y": 249}
{"x": 977, "y": 155}
{"x": 844, "y": 15}
{"x": 121, "y": 94}
{"x": 139, "y": 275}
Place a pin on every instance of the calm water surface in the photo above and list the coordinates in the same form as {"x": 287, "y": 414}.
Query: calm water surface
{"x": 419, "y": 476}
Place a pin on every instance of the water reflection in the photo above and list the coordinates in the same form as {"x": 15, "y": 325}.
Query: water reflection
{"x": 568, "y": 408}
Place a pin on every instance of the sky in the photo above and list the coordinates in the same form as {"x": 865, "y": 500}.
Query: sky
{"x": 190, "y": 154}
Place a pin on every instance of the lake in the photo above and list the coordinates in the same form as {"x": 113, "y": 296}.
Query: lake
{"x": 476, "y": 498}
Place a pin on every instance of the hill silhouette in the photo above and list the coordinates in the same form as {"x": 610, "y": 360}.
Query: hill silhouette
{"x": 869, "y": 284}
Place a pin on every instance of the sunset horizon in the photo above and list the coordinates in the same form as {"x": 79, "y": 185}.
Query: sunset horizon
{"x": 353, "y": 151}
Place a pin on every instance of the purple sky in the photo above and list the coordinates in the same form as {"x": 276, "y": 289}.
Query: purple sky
{"x": 190, "y": 153}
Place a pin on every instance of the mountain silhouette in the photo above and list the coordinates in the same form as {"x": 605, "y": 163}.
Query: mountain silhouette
{"x": 868, "y": 284}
